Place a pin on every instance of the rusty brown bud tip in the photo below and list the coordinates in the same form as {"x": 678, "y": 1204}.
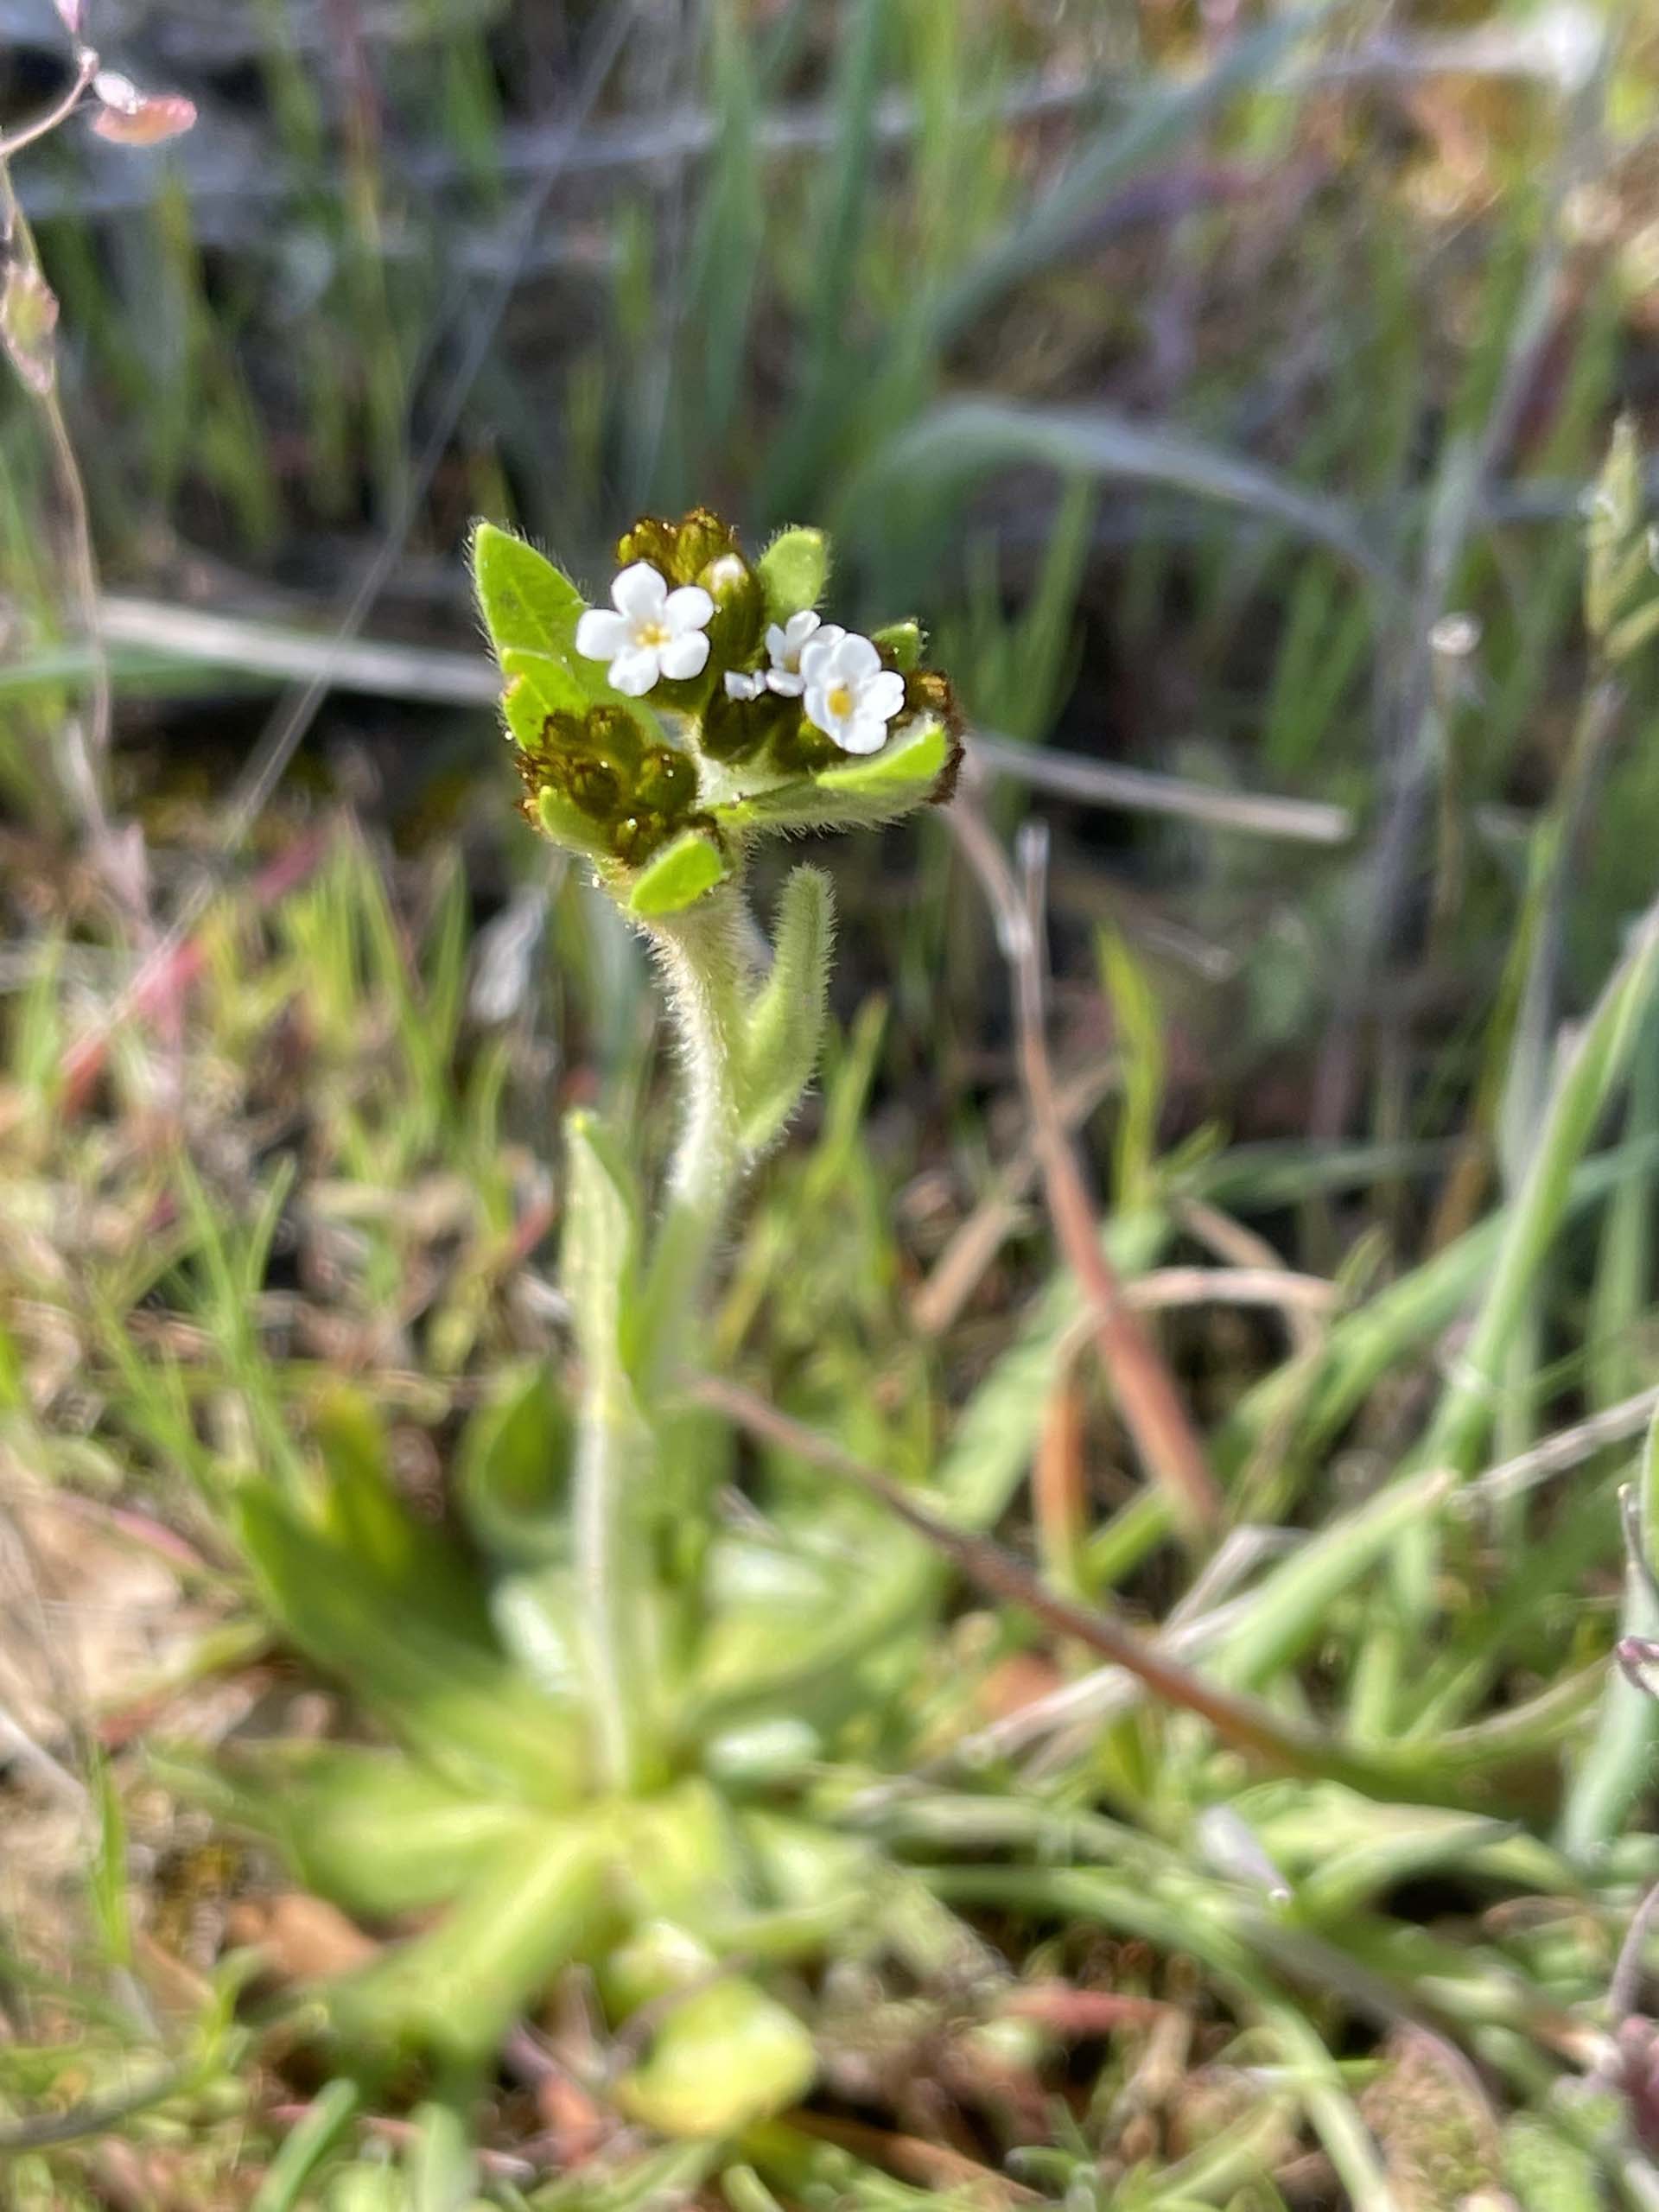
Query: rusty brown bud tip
{"x": 679, "y": 550}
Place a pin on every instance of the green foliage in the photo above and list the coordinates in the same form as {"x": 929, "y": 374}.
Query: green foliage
{"x": 1621, "y": 599}
{"x": 725, "y": 2057}
{"x": 785, "y": 1031}
{"x": 528, "y": 604}
{"x": 676, "y": 876}
{"x": 794, "y": 571}
{"x": 605, "y": 1690}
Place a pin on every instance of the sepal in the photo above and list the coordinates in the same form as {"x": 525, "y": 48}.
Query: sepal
{"x": 677, "y": 875}
{"x": 793, "y": 571}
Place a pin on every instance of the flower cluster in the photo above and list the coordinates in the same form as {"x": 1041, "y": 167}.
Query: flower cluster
{"x": 838, "y": 674}
{"x": 709, "y": 702}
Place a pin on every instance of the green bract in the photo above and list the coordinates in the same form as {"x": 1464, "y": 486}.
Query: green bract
{"x": 665, "y": 791}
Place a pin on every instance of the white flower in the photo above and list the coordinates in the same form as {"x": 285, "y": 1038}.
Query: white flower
{"x": 786, "y": 645}
{"x": 654, "y": 631}
{"x": 850, "y": 696}
{"x": 739, "y": 686}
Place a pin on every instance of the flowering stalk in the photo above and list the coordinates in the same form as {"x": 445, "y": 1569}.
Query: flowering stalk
{"x": 707, "y": 976}
{"x": 659, "y": 738}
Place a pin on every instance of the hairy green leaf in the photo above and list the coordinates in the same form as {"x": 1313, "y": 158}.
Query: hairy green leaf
{"x": 785, "y": 1029}
{"x": 669, "y": 882}
{"x": 512, "y": 1468}
{"x": 794, "y": 571}
{"x": 525, "y": 601}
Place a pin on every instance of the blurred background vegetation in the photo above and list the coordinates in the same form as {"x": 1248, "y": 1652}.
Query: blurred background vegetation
{"x": 1225, "y": 387}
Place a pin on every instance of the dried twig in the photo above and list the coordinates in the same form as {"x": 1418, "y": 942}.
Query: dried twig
{"x": 1102, "y": 783}
{"x": 974, "y": 1245}
{"x": 1152, "y": 1409}
{"x": 388, "y": 669}
{"x": 1232, "y": 1241}
{"x": 1292, "y": 1293}
{"x": 1569, "y": 1448}
{"x": 60, "y": 111}
{"x": 1248, "y": 1725}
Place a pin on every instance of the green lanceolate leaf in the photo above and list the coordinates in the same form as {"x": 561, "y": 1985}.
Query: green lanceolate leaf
{"x": 904, "y": 771}
{"x": 513, "y": 1464}
{"x": 568, "y": 826}
{"x": 1586, "y": 1082}
{"x": 725, "y": 2057}
{"x": 448, "y": 1693}
{"x": 531, "y": 1909}
{"x": 1616, "y": 563}
{"x": 539, "y": 684}
{"x": 909, "y": 771}
{"x": 440, "y": 2163}
{"x": 1618, "y": 1766}
{"x": 374, "y": 1831}
{"x": 794, "y": 571}
{"x": 568, "y": 683}
{"x": 672, "y": 879}
{"x": 525, "y": 601}
{"x": 785, "y": 1029}
{"x": 362, "y": 1512}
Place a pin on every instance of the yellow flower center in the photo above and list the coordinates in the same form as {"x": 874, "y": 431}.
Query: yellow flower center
{"x": 839, "y": 700}
{"x": 650, "y": 634}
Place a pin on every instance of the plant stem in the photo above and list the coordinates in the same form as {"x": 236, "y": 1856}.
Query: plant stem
{"x": 707, "y": 972}
{"x": 611, "y": 1576}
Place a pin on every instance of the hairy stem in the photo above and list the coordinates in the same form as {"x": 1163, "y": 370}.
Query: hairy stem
{"x": 708, "y": 973}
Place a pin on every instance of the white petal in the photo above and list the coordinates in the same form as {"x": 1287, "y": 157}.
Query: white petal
{"x": 634, "y": 672}
{"x": 800, "y": 627}
{"x": 862, "y": 733}
{"x": 817, "y": 651}
{"x": 639, "y": 591}
{"x": 777, "y": 642}
{"x": 884, "y": 695}
{"x": 602, "y": 635}
{"x": 785, "y": 683}
{"x": 684, "y": 655}
{"x": 818, "y": 710}
{"x": 688, "y": 608}
{"x": 856, "y": 657}
{"x": 740, "y": 686}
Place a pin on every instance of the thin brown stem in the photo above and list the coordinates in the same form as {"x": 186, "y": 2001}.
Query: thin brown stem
{"x": 88, "y": 750}
{"x": 1245, "y": 1724}
{"x": 1152, "y": 1413}
{"x": 60, "y": 111}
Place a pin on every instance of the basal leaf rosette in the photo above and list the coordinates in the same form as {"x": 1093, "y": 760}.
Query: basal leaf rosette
{"x": 708, "y": 703}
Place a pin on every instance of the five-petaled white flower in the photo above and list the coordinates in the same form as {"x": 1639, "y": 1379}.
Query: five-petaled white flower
{"x": 654, "y": 631}
{"x": 850, "y": 696}
{"x": 786, "y": 645}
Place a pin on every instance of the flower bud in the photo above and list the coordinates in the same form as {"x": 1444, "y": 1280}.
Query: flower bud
{"x": 596, "y": 769}
{"x": 736, "y": 729}
{"x": 679, "y": 550}
{"x": 740, "y": 613}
